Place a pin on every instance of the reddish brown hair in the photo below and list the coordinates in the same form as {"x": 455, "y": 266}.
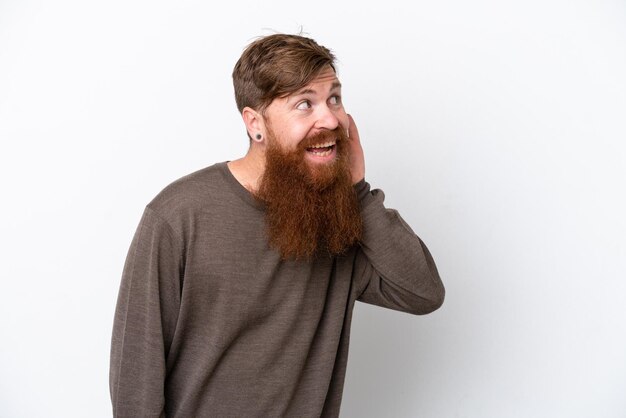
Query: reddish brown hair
{"x": 276, "y": 66}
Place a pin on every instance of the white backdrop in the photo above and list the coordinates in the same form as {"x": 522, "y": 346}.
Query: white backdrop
{"x": 496, "y": 128}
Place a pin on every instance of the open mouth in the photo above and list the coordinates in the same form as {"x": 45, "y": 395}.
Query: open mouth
{"x": 322, "y": 150}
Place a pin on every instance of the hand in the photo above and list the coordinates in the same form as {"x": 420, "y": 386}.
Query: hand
{"x": 357, "y": 158}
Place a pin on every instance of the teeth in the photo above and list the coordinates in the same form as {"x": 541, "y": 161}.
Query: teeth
{"x": 322, "y": 153}
{"x": 327, "y": 144}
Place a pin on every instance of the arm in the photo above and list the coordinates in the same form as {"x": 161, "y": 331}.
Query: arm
{"x": 394, "y": 268}
{"x": 145, "y": 319}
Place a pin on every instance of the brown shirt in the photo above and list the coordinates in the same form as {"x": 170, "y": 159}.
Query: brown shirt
{"x": 211, "y": 323}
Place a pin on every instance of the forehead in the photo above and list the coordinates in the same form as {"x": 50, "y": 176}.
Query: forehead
{"x": 325, "y": 80}
{"x": 327, "y": 75}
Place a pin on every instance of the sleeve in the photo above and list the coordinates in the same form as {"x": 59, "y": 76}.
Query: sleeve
{"x": 394, "y": 268}
{"x": 145, "y": 319}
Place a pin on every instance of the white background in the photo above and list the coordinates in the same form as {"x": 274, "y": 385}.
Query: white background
{"x": 496, "y": 128}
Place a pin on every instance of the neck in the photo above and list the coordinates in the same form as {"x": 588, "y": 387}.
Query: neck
{"x": 249, "y": 169}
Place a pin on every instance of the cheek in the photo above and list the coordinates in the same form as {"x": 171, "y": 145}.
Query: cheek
{"x": 295, "y": 129}
{"x": 293, "y": 137}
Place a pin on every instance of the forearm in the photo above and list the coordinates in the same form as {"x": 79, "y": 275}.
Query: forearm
{"x": 400, "y": 272}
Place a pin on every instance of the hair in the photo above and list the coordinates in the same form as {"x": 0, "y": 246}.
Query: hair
{"x": 276, "y": 66}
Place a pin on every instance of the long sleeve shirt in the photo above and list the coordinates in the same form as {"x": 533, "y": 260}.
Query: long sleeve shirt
{"x": 211, "y": 322}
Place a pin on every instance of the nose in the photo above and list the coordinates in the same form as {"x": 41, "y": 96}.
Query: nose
{"x": 326, "y": 118}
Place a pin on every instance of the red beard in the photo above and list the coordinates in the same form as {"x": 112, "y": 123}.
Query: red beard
{"x": 311, "y": 210}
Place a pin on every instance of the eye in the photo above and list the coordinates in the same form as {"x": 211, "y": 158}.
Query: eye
{"x": 303, "y": 105}
{"x": 335, "y": 100}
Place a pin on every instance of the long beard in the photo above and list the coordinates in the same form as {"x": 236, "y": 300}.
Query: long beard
{"x": 311, "y": 210}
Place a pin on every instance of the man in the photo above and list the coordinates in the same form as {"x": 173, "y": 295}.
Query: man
{"x": 237, "y": 293}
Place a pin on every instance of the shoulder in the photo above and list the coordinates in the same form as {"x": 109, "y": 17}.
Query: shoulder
{"x": 191, "y": 193}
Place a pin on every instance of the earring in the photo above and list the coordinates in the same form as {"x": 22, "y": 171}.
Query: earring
{"x": 258, "y": 137}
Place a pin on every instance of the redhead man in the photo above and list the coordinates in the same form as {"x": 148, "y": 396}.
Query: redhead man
{"x": 237, "y": 293}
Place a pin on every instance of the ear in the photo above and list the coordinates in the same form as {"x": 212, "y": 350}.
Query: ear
{"x": 254, "y": 122}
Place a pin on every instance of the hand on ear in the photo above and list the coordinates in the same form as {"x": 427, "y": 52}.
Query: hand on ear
{"x": 357, "y": 158}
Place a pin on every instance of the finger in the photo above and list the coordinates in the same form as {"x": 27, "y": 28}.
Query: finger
{"x": 353, "y": 132}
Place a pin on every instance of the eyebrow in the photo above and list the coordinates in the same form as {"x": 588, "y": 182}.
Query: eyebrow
{"x": 335, "y": 85}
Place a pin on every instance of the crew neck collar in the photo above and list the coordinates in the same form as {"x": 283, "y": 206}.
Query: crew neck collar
{"x": 237, "y": 187}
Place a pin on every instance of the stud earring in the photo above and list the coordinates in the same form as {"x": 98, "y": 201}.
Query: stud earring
{"x": 258, "y": 137}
